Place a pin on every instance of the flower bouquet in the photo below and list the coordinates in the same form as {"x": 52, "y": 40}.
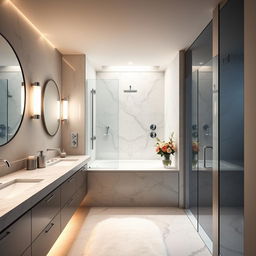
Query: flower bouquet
{"x": 166, "y": 149}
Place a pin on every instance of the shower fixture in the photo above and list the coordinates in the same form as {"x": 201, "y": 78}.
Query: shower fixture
{"x": 107, "y": 131}
{"x": 152, "y": 127}
{"x": 130, "y": 90}
{"x": 152, "y": 134}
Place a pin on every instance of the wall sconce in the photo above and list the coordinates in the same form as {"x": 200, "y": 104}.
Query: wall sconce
{"x": 64, "y": 109}
{"x": 36, "y": 100}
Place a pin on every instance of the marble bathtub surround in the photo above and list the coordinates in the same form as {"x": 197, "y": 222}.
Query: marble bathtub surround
{"x": 134, "y": 112}
{"x": 50, "y": 177}
{"x": 132, "y": 188}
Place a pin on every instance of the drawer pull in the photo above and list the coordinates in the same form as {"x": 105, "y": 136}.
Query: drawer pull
{"x": 47, "y": 230}
{"x": 50, "y": 198}
{"x": 5, "y": 235}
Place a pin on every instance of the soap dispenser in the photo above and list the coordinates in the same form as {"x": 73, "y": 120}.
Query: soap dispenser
{"x": 41, "y": 162}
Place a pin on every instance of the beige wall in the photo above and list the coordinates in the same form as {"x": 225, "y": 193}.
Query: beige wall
{"x": 73, "y": 88}
{"x": 174, "y": 112}
{"x": 40, "y": 62}
{"x": 250, "y": 127}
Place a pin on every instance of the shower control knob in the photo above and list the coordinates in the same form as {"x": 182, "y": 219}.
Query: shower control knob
{"x": 152, "y": 134}
{"x": 152, "y": 127}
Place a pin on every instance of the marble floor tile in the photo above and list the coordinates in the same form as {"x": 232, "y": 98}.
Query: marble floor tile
{"x": 180, "y": 237}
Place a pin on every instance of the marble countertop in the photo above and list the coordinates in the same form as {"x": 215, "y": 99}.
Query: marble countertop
{"x": 51, "y": 177}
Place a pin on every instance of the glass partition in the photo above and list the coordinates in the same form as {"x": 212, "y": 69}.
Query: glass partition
{"x": 231, "y": 129}
{"x": 104, "y": 122}
{"x": 199, "y": 85}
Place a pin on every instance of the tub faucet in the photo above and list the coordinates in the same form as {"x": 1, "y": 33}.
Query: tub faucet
{"x": 62, "y": 154}
{"x": 6, "y": 162}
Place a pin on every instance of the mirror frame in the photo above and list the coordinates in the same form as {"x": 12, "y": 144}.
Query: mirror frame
{"x": 25, "y": 92}
{"x": 43, "y": 114}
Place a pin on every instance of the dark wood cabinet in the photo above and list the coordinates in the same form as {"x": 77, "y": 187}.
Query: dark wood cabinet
{"x": 47, "y": 237}
{"x": 36, "y": 231}
{"x": 68, "y": 188}
{"x": 15, "y": 239}
{"x": 44, "y": 212}
{"x": 28, "y": 252}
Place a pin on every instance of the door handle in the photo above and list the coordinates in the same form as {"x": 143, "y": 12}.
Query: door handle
{"x": 204, "y": 155}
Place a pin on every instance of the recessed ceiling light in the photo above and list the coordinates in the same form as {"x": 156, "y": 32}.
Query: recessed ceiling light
{"x": 130, "y": 68}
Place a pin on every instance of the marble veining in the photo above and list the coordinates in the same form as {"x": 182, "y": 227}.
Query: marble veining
{"x": 132, "y": 188}
{"x": 129, "y": 115}
{"x": 179, "y": 236}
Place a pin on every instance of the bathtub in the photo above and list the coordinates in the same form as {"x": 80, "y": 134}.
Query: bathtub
{"x": 224, "y": 165}
{"x": 129, "y": 165}
{"x": 131, "y": 183}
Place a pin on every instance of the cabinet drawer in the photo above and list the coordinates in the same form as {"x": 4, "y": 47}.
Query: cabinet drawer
{"x": 81, "y": 179}
{"x": 44, "y": 242}
{"x": 15, "y": 239}
{"x": 68, "y": 188}
{"x": 44, "y": 212}
{"x": 70, "y": 207}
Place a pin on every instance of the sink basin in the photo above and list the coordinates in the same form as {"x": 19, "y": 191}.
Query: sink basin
{"x": 15, "y": 187}
{"x": 63, "y": 162}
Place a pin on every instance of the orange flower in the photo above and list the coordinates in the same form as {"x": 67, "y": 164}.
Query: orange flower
{"x": 157, "y": 149}
{"x": 164, "y": 148}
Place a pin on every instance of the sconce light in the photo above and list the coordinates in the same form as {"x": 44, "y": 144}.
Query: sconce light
{"x": 64, "y": 109}
{"x": 36, "y": 100}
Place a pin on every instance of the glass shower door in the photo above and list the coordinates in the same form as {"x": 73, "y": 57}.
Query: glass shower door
{"x": 103, "y": 122}
{"x": 205, "y": 143}
{"x": 231, "y": 131}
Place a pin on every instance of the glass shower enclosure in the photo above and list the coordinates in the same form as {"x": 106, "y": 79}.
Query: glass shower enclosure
{"x": 103, "y": 122}
{"x": 215, "y": 133}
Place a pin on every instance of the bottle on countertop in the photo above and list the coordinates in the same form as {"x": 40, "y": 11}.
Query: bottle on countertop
{"x": 41, "y": 160}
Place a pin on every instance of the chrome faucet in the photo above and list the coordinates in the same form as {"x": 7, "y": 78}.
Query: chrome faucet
{"x": 7, "y": 163}
{"x": 62, "y": 154}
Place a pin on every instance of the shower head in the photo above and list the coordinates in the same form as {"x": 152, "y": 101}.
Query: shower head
{"x": 130, "y": 90}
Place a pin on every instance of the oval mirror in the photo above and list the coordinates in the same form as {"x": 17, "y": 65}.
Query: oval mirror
{"x": 51, "y": 107}
{"x": 12, "y": 92}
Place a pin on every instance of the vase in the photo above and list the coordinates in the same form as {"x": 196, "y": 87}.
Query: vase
{"x": 167, "y": 162}
{"x": 194, "y": 160}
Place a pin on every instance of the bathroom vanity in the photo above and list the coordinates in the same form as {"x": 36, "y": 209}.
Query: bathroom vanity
{"x": 35, "y": 206}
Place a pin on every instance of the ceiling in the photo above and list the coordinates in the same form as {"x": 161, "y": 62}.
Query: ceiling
{"x": 118, "y": 32}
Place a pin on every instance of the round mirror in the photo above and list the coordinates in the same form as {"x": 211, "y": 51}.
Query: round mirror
{"x": 51, "y": 107}
{"x": 12, "y": 92}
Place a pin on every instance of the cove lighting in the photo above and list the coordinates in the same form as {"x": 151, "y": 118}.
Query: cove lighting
{"x": 130, "y": 68}
{"x": 29, "y": 22}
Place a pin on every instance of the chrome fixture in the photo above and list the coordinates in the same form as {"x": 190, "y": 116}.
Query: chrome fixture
{"x": 152, "y": 127}
{"x": 107, "y": 131}
{"x": 62, "y": 154}
{"x": 152, "y": 134}
{"x": 205, "y": 149}
{"x": 206, "y": 129}
{"x": 93, "y": 137}
{"x": 130, "y": 90}
{"x": 6, "y": 162}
